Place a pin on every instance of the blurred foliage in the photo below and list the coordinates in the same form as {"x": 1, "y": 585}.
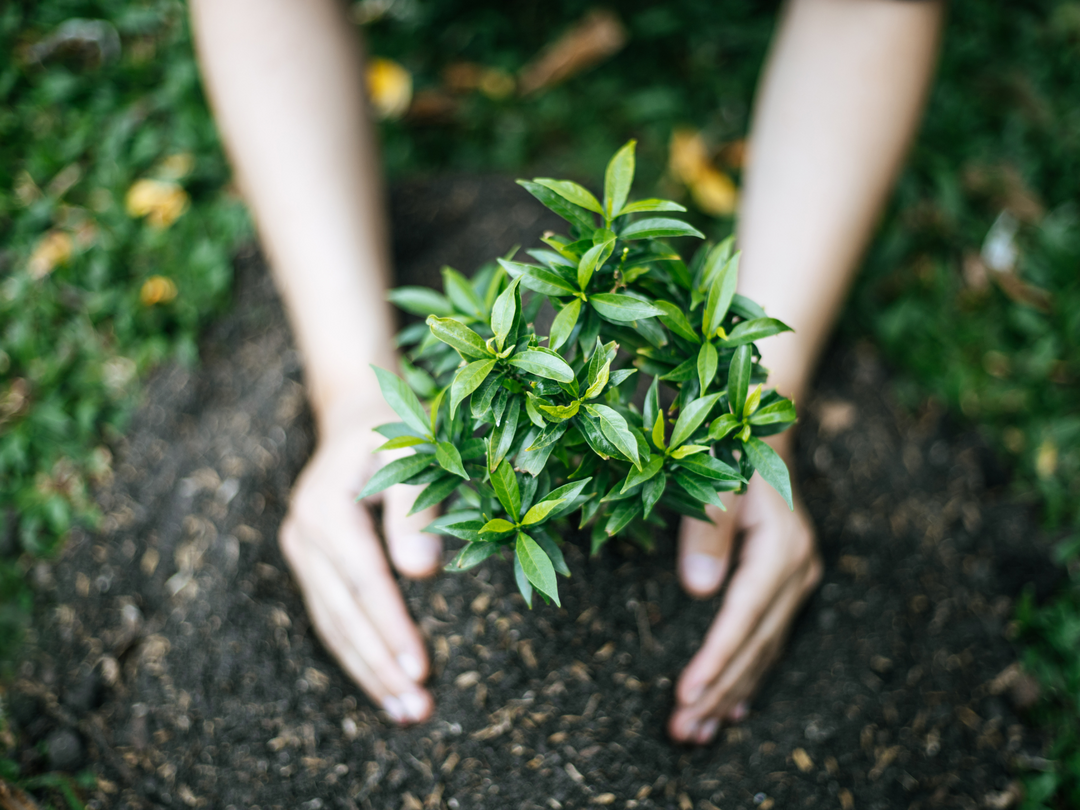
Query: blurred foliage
{"x": 92, "y": 294}
{"x": 1002, "y": 133}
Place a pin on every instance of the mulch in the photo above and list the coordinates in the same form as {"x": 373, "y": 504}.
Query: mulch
{"x": 174, "y": 658}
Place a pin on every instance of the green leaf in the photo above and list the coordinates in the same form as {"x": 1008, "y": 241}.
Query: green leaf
{"x": 562, "y": 412}
{"x": 619, "y": 376}
{"x": 621, "y": 515}
{"x": 539, "y": 279}
{"x": 652, "y": 491}
{"x": 467, "y": 380}
{"x": 543, "y": 364}
{"x": 539, "y": 512}
{"x": 525, "y": 587}
{"x": 569, "y": 190}
{"x": 574, "y": 214}
{"x": 675, "y": 319}
{"x": 712, "y": 468}
{"x": 567, "y": 492}
{"x": 497, "y": 526}
{"x": 435, "y": 493}
{"x": 503, "y": 312}
{"x": 420, "y": 301}
{"x": 651, "y": 406}
{"x": 461, "y": 293}
{"x": 558, "y": 562}
{"x": 502, "y": 437}
{"x": 745, "y": 308}
{"x": 739, "y": 378}
{"x": 712, "y": 262}
{"x": 782, "y": 411}
{"x": 456, "y": 334}
{"x": 658, "y": 431}
{"x": 689, "y": 450}
{"x": 617, "y": 180}
{"x": 599, "y": 374}
{"x": 721, "y": 291}
{"x": 697, "y": 487}
{"x": 533, "y": 460}
{"x": 657, "y": 227}
{"x": 449, "y": 459}
{"x": 472, "y": 555}
{"x": 691, "y": 417}
{"x": 505, "y": 484}
{"x": 622, "y": 308}
{"x": 537, "y": 567}
{"x": 395, "y": 472}
{"x": 651, "y": 204}
{"x": 753, "y": 399}
{"x": 594, "y": 257}
{"x": 616, "y": 431}
{"x": 400, "y": 397}
{"x": 647, "y": 471}
{"x": 398, "y": 442}
{"x": 723, "y": 425}
{"x": 564, "y": 324}
{"x": 706, "y": 365}
{"x": 686, "y": 370}
{"x": 419, "y": 380}
{"x": 480, "y": 405}
{"x": 749, "y": 331}
{"x": 771, "y": 467}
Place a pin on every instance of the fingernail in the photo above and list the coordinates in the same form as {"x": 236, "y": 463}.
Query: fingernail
{"x": 740, "y": 712}
{"x": 411, "y": 665}
{"x": 417, "y": 552}
{"x": 414, "y": 705}
{"x": 708, "y": 730}
{"x": 395, "y": 708}
{"x": 701, "y": 572}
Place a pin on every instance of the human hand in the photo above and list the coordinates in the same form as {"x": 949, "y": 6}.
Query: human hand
{"x": 331, "y": 544}
{"x": 778, "y": 568}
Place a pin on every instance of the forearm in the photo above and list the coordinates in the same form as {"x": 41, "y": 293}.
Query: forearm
{"x": 838, "y": 104}
{"x": 285, "y": 80}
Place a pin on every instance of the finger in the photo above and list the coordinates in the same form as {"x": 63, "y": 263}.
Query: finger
{"x": 705, "y": 549}
{"x": 413, "y": 553}
{"x": 350, "y": 635}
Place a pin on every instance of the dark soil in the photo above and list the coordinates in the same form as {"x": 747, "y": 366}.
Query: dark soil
{"x": 177, "y": 662}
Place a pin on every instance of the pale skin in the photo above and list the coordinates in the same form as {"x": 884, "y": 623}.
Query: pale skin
{"x": 838, "y": 105}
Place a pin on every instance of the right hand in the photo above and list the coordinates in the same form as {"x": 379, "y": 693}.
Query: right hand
{"x": 332, "y": 546}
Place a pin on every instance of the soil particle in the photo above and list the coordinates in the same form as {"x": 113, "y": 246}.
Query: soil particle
{"x": 188, "y": 666}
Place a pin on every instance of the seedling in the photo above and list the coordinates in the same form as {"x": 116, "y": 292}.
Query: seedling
{"x": 521, "y": 429}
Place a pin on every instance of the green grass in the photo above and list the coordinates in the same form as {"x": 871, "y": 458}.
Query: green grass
{"x": 1003, "y": 126}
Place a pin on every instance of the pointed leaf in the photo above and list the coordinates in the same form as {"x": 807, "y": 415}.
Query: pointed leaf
{"x": 699, "y": 488}
{"x": 712, "y": 468}
{"x": 721, "y": 291}
{"x": 658, "y": 227}
{"x": 562, "y": 412}
{"x": 543, "y": 364}
{"x": 503, "y": 312}
{"x": 539, "y": 279}
{"x": 745, "y": 308}
{"x": 658, "y": 431}
{"x": 689, "y": 450}
{"x": 706, "y": 365}
{"x": 399, "y": 442}
{"x": 615, "y": 429}
{"x": 497, "y": 526}
{"x": 420, "y": 301}
{"x": 574, "y": 214}
{"x": 449, "y": 459}
{"x": 525, "y": 587}
{"x": 675, "y": 319}
{"x": 456, "y": 334}
{"x": 770, "y": 466}
{"x": 569, "y": 190}
{"x": 505, "y": 484}
{"x": 567, "y": 492}
{"x": 540, "y": 512}
{"x": 691, "y": 418}
{"x": 651, "y": 406}
{"x": 395, "y": 472}
{"x": 461, "y": 293}
{"x": 537, "y": 567}
{"x": 621, "y": 515}
{"x": 472, "y": 555}
{"x": 647, "y": 471}
{"x": 558, "y": 562}
{"x": 622, "y": 308}
{"x": 564, "y": 324}
{"x": 749, "y": 331}
{"x": 400, "y": 397}
{"x": 739, "y": 378}
{"x": 753, "y": 399}
{"x": 617, "y": 180}
{"x": 502, "y": 437}
{"x": 723, "y": 425}
{"x": 467, "y": 380}
{"x": 782, "y": 411}
{"x": 595, "y": 257}
{"x": 652, "y": 491}
{"x": 435, "y": 493}
{"x": 646, "y": 206}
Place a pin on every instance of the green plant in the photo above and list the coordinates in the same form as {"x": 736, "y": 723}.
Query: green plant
{"x": 525, "y": 434}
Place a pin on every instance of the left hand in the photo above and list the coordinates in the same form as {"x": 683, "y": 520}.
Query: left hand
{"x": 777, "y": 569}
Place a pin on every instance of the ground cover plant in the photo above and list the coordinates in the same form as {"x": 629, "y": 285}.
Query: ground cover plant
{"x": 526, "y": 433}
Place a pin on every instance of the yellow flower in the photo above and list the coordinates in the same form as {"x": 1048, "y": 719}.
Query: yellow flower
{"x": 162, "y": 202}
{"x": 157, "y": 290}
{"x": 389, "y": 88}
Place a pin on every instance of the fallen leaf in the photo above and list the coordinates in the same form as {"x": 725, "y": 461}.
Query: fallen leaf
{"x": 389, "y": 88}
{"x": 157, "y": 290}
{"x": 53, "y": 249}
{"x": 598, "y": 36}
{"x": 162, "y": 202}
